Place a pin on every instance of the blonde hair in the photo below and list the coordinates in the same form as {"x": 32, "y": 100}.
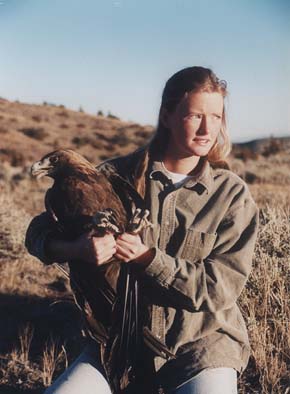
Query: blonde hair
{"x": 185, "y": 81}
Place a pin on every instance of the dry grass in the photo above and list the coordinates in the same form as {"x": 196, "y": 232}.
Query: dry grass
{"x": 52, "y": 356}
{"x": 25, "y": 338}
{"x": 12, "y": 242}
{"x": 271, "y": 170}
{"x": 264, "y": 302}
{"x": 35, "y": 323}
{"x": 265, "y": 305}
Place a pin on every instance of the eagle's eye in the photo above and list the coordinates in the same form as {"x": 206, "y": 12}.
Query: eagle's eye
{"x": 53, "y": 159}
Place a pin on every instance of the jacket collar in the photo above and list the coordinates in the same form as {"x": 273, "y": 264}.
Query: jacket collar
{"x": 125, "y": 166}
{"x": 204, "y": 178}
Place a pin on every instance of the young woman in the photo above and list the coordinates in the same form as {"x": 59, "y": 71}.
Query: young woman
{"x": 196, "y": 258}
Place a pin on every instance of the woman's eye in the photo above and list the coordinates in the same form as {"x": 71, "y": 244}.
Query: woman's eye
{"x": 217, "y": 117}
{"x": 194, "y": 116}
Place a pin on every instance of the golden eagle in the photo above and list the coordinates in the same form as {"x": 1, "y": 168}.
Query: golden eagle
{"x": 85, "y": 199}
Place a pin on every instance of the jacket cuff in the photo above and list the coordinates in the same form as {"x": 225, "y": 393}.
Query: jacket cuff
{"x": 40, "y": 248}
{"x": 161, "y": 268}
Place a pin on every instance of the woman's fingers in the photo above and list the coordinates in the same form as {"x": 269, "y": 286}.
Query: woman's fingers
{"x": 124, "y": 253}
{"x": 97, "y": 250}
{"x": 129, "y": 247}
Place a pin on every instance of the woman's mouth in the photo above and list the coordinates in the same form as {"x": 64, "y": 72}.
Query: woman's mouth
{"x": 201, "y": 141}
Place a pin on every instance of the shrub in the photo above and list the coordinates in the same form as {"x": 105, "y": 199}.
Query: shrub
{"x": 80, "y": 141}
{"x": 36, "y": 118}
{"x": 250, "y": 177}
{"x": 36, "y": 133}
{"x": 3, "y": 130}
{"x": 142, "y": 134}
{"x": 104, "y": 157}
{"x": 121, "y": 140}
{"x": 111, "y": 116}
{"x": 64, "y": 114}
{"x": 245, "y": 154}
{"x": 274, "y": 146}
{"x": 15, "y": 158}
{"x": 102, "y": 137}
{"x": 110, "y": 147}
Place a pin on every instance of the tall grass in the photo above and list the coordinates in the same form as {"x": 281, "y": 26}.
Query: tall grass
{"x": 52, "y": 355}
{"x": 25, "y": 338}
{"x": 265, "y": 305}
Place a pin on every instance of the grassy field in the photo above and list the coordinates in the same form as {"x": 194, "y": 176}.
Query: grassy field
{"x": 41, "y": 328}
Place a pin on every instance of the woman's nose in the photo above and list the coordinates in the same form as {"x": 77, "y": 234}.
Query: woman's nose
{"x": 204, "y": 128}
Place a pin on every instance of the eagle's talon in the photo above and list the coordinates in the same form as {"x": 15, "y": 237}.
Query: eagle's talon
{"x": 139, "y": 221}
{"x": 106, "y": 220}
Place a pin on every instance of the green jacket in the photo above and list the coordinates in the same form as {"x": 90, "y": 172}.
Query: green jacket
{"x": 203, "y": 236}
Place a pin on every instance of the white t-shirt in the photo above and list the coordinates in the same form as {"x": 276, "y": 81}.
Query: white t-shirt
{"x": 177, "y": 179}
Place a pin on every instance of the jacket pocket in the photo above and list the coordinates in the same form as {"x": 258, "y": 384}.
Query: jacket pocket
{"x": 197, "y": 244}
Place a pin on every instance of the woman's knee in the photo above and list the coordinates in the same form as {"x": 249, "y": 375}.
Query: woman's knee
{"x": 83, "y": 376}
{"x": 211, "y": 381}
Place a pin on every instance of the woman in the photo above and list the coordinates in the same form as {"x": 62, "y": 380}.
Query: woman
{"x": 196, "y": 258}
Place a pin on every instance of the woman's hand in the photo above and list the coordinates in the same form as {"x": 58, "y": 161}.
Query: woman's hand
{"x": 130, "y": 247}
{"x": 95, "y": 250}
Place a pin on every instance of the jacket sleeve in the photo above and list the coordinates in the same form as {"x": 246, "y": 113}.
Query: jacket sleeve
{"x": 40, "y": 228}
{"x": 215, "y": 282}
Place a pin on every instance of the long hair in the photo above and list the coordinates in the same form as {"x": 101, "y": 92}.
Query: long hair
{"x": 185, "y": 81}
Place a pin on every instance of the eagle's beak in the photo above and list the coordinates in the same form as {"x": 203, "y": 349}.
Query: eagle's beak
{"x": 41, "y": 168}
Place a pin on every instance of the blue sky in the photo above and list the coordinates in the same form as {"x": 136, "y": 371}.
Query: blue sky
{"x": 116, "y": 55}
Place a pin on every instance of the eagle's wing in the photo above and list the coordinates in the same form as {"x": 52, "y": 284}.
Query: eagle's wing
{"x": 76, "y": 200}
{"x": 48, "y": 206}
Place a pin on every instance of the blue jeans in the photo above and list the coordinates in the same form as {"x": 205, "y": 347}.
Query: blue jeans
{"x": 211, "y": 381}
{"x": 86, "y": 376}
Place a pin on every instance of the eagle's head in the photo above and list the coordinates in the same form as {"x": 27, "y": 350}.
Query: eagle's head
{"x": 60, "y": 163}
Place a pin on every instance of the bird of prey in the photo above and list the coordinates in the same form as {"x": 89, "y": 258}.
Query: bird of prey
{"x": 85, "y": 199}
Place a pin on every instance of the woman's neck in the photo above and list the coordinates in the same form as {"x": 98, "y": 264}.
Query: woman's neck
{"x": 184, "y": 165}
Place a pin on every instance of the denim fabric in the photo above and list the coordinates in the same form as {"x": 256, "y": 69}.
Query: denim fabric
{"x": 84, "y": 376}
{"x": 210, "y": 381}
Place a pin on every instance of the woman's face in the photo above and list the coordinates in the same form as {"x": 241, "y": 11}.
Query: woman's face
{"x": 195, "y": 124}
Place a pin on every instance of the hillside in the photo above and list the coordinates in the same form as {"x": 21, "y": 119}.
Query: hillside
{"x": 29, "y": 131}
{"x": 261, "y": 145}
